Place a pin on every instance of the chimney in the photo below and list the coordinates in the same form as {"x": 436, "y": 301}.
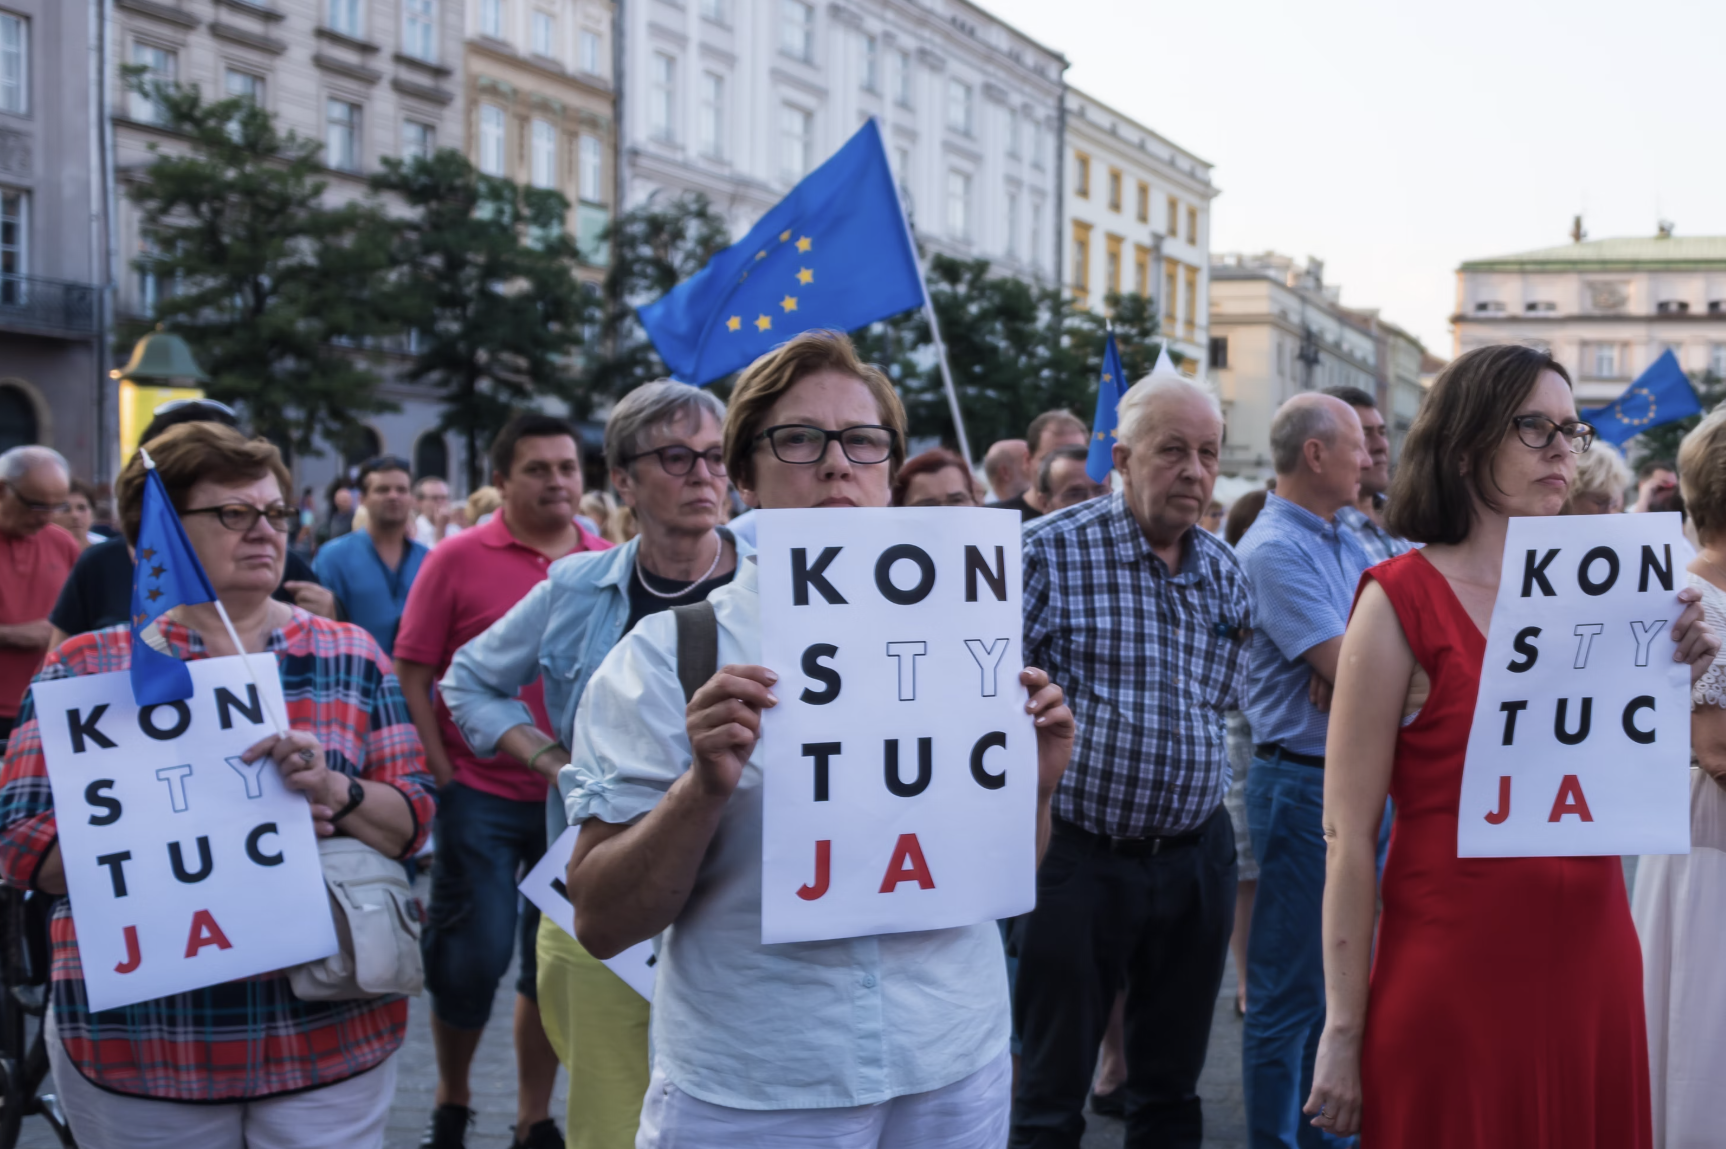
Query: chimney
{"x": 1663, "y": 229}
{"x": 1577, "y": 235}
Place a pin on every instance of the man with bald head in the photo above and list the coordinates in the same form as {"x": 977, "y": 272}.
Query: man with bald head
{"x": 1142, "y": 617}
{"x": 1304, "y": 563}
{"x": 35, "y": 558}
{"x": 1007, "y": 466}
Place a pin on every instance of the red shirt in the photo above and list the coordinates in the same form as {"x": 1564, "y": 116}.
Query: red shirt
{"x": 468, "y": 582}
{"x": 32, "y": 570}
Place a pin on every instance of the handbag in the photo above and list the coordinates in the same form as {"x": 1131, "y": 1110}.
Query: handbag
{"x": 378, "y": 923}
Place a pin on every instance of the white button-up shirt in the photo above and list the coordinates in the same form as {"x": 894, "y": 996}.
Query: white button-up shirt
{"x": 793, "y": 1026}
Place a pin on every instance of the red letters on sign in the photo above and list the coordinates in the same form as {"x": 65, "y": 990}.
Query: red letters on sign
{"x": 205, "y": 932}
{"x": 1570, "y": 801}
{"x": 133, "y": 957}
{"x": 907, "y": 865}
{"x": 823, "y": 872}
{"x": 1498, "y": 816}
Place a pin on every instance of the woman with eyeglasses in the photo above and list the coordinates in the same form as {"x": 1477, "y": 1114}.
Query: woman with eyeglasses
{"x": 896, "y": 1040}
{"x": 245, "y": 1062}
{"x": 663, "y": 447}
{"x": 1504, "y": 1004}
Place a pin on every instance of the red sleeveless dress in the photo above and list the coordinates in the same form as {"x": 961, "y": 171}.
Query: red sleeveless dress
{"x": 1506, "y": 1002}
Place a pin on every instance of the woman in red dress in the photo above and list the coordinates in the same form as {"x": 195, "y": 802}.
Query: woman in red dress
{"x": 1504, "y": 1009}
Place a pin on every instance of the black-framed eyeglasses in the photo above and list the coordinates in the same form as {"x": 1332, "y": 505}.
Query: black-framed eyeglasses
{"x": 243, "y": 517}
{"x": 800, "y": 443}
{"x": 678, "y": 460}
{"x": 173, "y": 405}
{"x": 36, "y": 508}
{"x": 1538, "y": 431}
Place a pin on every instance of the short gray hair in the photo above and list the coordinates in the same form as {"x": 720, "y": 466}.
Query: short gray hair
{"x": 20, "y": 461}
{"x": 1139, "y": 397}
{"x": 1295, "y": 423}
{"x": 647, "y": 407}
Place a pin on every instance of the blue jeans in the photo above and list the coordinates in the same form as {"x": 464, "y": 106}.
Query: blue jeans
{"x": 1285, "y": 954}
{"x": 484, "y": 844}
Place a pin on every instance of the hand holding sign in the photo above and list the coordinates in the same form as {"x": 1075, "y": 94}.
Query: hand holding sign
{"x": 725, "y": 722}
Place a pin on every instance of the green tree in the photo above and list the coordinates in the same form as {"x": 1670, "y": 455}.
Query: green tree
{"x": 485, "y": 278}
{"x": 654, "y": 247}
{"x": 274, "y": 289}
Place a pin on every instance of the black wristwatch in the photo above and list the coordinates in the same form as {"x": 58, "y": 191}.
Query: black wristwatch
{"x": 356, "y": 795}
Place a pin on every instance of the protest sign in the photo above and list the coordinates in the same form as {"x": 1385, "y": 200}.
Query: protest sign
{"x": 1581, "y": 735}
{"x": 900, "y": 767}
{"x": 186, "y": 867}
{"x": 544, "y": 887}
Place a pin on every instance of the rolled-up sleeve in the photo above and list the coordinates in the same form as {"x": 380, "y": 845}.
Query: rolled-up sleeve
{"x": 485, "y": 675}
{"x": 631, "y": 741}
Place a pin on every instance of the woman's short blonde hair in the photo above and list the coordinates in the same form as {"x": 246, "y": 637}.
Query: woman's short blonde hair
{"x": 1600, "y": 470}
{"x": 187, "y": 453}
{"x": 775, "y": 373}
{"x": 1702, "y": 473}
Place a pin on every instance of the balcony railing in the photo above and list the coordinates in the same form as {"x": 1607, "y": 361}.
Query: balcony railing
{"x": 53, "y": 307}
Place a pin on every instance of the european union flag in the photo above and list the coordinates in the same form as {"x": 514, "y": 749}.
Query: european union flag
{"x": 1110, "y": 388}
{"x": 167, "y": 574}
{"x": 835, "y": 253}
{"x": 1662, "y": 394}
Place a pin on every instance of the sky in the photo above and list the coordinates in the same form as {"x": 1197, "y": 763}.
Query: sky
{"x": 1395, "y": 140}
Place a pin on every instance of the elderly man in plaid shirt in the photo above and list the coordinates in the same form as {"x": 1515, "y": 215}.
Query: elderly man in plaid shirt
{"x": 1142, "y": 617}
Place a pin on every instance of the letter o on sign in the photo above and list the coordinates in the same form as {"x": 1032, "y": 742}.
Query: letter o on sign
{"x": 1583, "y": 572}
{"x": 884, "y": 574}
{"x": 182, "y": 720}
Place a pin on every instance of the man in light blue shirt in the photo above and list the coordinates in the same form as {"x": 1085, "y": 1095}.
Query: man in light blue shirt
{"x": 1304, "y": 565}
{"x": 371, "y": 570}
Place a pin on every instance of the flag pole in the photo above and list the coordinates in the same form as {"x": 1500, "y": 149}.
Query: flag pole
{"x": 234, "y": 637}
{"x": 935, "y": 334}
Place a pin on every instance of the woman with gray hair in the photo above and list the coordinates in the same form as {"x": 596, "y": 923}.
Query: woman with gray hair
{"x": 662, "y": 445}
{"x": 1602, "y": 477}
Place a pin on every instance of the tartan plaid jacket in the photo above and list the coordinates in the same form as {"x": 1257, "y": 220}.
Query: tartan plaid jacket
{"x": 251, "y": 1038}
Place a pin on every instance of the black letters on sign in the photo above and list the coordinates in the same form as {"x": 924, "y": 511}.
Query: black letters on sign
{"x": 925, "y": 767}
{"x": 1510, "y": 710}
{"x": 82, "y": 728}
{"x": 226, "y": 704}
{"x": 925, "y": 574}
{"x": 1535, "y": 572}
{"x": 804, "y": 576}
{"x": 982, "y": 776}
{"x": 205, "y": 863}
{"x": 252, "y": 850}
{"x": 996, "y": 578}
{"x": 1644, "y": 702}
{"x": 1524, "y": 646}
{"x": 1565, "y": 736}
{"x": 104, "y": 802}
{"x": 182, "y": 721}
{"x": 1587, "y": 583}
{"x": 823, "y": 753}
{"x": 1661, "y": 571}
{"x": 116, "y": 870}
{"x": 825, "y": 675}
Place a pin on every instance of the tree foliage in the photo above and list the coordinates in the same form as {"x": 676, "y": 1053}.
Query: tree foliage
{"x": 485, "y": 278}
{"x": 273, "y": 289}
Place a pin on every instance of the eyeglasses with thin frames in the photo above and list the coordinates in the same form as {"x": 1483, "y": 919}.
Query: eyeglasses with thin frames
{"x": 678, "y": 460}
{"x": 1537, "y": 431}
{"x": 864, "y": 444}
{"x": 242, "y": 517}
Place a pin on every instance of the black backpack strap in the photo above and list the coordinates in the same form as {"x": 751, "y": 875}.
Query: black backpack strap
{"x": 697, "y": 645}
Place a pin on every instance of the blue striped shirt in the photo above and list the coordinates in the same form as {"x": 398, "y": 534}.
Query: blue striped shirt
{"x": 1304, "y": 571}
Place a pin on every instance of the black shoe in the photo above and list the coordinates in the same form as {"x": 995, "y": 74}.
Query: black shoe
{"x": 540, "y": 1135}
{"x": 448, "y": 1128}
{"x": 1110, "y": 1104}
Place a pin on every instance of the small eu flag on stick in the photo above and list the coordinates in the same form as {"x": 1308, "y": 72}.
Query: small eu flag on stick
{"x": 1662, "y": 394}
{"x": 1110, "y": 388}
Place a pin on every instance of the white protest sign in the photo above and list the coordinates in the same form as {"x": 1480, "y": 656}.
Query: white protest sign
{"x": 186, "y": 867}
{"x": 899, "y": 768}
{"x": 544, "y": 887}
{"x": 1581, "y": 735}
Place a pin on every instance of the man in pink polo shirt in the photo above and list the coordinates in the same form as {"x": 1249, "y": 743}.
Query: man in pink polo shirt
{"x": 491, "y": 811}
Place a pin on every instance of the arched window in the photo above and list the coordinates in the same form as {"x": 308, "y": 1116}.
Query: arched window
{"x": 431, "y": 456}
{"x": 18, "y": 425}
{"x": 361, "y": 443}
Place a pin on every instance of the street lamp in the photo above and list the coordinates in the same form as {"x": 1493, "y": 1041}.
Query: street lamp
{"x": 160, "y": 359}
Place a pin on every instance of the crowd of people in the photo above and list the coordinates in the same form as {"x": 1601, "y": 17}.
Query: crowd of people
{"x": 1251, "y": 722}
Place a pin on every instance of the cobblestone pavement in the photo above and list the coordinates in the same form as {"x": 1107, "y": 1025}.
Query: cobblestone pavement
{"x": 494, "y": 1084}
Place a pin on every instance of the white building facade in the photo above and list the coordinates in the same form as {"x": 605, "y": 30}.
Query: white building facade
{"x": 1606, "y": 309}
{"x": 1138, "y": 217}
{"x": 739, "y": 99}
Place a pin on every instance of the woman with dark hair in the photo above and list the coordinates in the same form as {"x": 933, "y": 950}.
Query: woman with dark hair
{"x": 1504, "y": 1009}
{"x": 936, "y": 478}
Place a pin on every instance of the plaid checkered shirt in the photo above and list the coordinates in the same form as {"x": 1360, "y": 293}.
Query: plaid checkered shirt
{"x": 250, "y": 1038}
{"x": 1149, "y": 661}
{"x": 1378, "y": 543}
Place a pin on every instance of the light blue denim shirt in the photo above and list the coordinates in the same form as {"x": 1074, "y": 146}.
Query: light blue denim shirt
{"x": 802, "y": 1025}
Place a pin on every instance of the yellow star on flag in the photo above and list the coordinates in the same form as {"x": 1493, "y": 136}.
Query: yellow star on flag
{"x": 762, "y": 323}
{"x": 803, "y": 243}
{"x": 783, "y": 236}
{"x": 734, "y": 323}
{"x": 761, "y": 255}
{"x": 789, "y": 303}
{"x": 805, "y": 276}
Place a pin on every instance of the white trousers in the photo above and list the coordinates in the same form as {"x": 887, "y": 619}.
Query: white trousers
{"x": 350, "y": 1114}
{"x": 971, "y": 1113}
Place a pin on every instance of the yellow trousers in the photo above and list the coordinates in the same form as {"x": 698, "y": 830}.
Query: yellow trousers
{"x": 598, "y": 1026}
